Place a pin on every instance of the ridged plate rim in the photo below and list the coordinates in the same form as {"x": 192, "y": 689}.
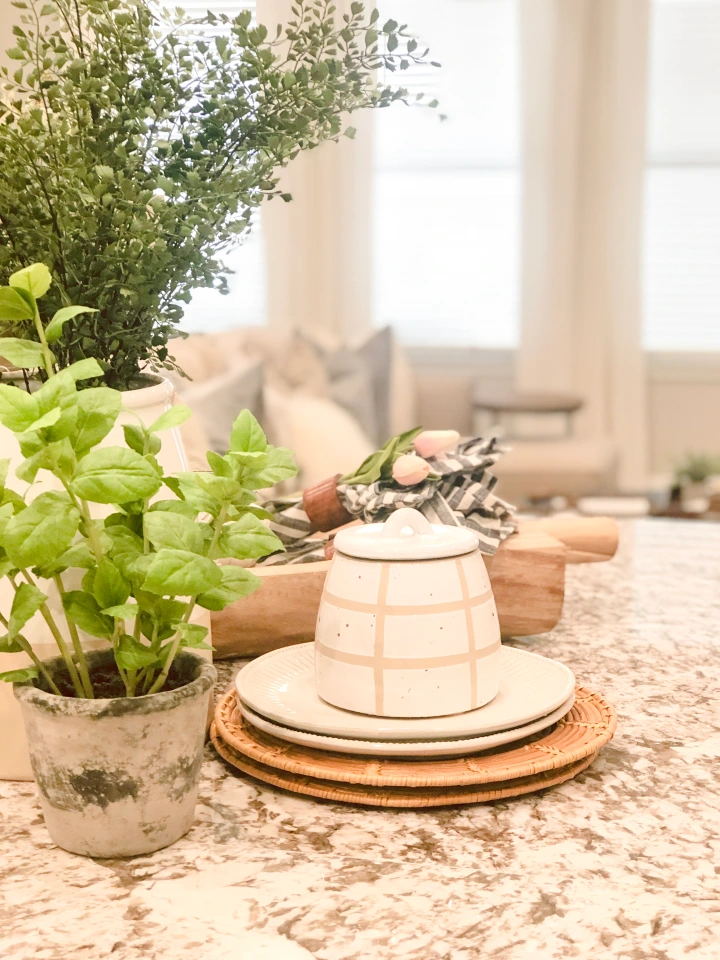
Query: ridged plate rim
{"x": 406, "y": 748}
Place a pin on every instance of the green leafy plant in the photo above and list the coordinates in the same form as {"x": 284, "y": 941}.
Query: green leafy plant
{"x": 134, "y": 150}
{"x": 146, "y": 565}
{"x": 697, "y": 467}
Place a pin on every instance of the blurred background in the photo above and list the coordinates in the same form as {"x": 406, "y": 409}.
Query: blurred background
{"x": 544, "y": 262}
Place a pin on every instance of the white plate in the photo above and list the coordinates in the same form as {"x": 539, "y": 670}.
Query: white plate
{"x": 406, "y": 748}
{"x": 281, "y": 687}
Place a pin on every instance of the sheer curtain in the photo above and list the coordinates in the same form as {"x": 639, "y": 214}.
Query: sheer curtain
{"x": 584, "y": 75}
{"x": 318, "y": 247}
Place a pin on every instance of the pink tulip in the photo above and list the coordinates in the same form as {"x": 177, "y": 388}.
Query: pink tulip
{"x": 430, "y": 443}
{"x": 409, "y": 469}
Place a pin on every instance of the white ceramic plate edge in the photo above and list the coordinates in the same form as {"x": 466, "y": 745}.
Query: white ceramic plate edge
{"x": 407, "y": 748}
{"x": 323, "y": 728}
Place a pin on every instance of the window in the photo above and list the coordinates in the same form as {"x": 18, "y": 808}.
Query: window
{"x": 244, "y": 306}
{"x": 447, "y": 193}
{"x": 682, "y": 190}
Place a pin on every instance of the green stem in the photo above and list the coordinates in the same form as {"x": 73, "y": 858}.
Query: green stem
{"x": 123, "y": 675}
{"x": 77, "y": 647}
{"x": 60, "y": 641}
{"x": 47, "y": 355}
{"x": 162, "y": 677}
{"x": 25, "y": 644}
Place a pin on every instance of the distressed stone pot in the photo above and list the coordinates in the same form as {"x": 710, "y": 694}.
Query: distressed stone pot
{"x": 118, "y": 777}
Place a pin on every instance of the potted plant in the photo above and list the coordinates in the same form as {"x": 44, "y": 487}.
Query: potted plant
{"x": 116, "y": 735}
{"x": 134, "y": 149}
{"x": 691, "y": 480}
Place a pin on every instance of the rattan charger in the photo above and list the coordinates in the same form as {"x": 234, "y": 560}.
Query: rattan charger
{"x": 565, "y": 746}
{"x": 396, "y": 797}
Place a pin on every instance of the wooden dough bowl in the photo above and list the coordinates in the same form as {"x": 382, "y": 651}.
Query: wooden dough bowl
{"x": 527, "y": 575}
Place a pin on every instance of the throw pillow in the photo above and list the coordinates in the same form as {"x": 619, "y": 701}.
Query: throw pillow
{"x": 325, "y": 438}
{"x": 217, "y": 402}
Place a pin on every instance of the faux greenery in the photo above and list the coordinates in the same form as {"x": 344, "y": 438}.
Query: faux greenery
{"x": 697, "y": 467}
{"x": 378, "y": 466}
{"x": 133, "y": 150}
{"x": 146, "y": 566}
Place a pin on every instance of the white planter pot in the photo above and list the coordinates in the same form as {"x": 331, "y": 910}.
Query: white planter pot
{"x": 148, "y": 403}
{"x": 118, "y": 777}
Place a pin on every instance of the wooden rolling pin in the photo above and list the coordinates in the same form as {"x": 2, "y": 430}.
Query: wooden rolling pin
{"x": 527, "y": 575}
{"x": 588, "y": 539}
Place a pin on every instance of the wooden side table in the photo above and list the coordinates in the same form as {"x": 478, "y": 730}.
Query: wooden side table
{"x": 502, "y": 404}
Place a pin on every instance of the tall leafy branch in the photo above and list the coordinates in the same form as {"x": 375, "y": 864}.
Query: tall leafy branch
{"x": 135, "y": 144}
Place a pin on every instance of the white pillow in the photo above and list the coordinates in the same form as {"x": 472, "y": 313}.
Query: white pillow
{"x": 325, "y": 438}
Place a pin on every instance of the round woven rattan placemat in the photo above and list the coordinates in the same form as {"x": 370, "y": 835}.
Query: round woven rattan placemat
{"x": 395, "y": 796}
{"x": 590, "y": 723}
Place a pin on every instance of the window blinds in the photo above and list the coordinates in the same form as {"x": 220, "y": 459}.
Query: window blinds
{"x": 682, "y": 192}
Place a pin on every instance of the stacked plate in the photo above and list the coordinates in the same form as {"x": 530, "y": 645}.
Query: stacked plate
{"x": 538, "y": 731}
{"x": 277, "y": 694}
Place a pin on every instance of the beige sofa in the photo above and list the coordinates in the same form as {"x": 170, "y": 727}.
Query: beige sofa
{"x": 290, "y": 385}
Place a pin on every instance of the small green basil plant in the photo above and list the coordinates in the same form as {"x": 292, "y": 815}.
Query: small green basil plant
{"x": 133, "y": 577}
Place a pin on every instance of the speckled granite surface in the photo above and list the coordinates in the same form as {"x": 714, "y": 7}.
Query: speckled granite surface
{"x": 622, "y": 862}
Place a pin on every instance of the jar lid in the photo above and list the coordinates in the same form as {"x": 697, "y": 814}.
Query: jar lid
{"x": 406, "y": 535}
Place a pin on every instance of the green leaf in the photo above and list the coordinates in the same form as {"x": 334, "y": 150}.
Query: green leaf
{"x": 280, "y": 466}
{"x": 83, "y": 610}
{"x": 247, "y": 434}
{"x": 58, "y": 391}
{"x": 8, "y": 645}
{"x": 221, "y": 488}
{"x": 13, "y": 307}
{"x": 26, "y": 603}
{"x": 114, "y": 475}
{"x": 193, "y": 636}
{"x": 46, "y": 420}
{"x": 236, "y": 583}
{"x": 98, "y": 409}
{"x": 174, "y": 506}
{"x": 109, "y": 586}
{"x": 49, "y": 457}
{"x": 79, "y": 555}
{"x": 18, "y": 409}
{"x": 178, "y": 573}
{"x": 220, "y": 466}
{"x": 132, "y": 654}
{"x": 53, "y": 331}
{"x": 4, "y": 467}
{"x": 36, "y": 279}
{"x": 248, "y": 539}
{"x": 173, "y": 531}
{"x": 22, "y": 353}
{"x": 190, "y": 489}
{"x": 85, "y": 369}
{"x": 171, "y": 418}
{"x": 19, "y": 676}
{"x": 123, "y": 611}
{"x": 135, "y": 438}
{"x": 43, "y": 531}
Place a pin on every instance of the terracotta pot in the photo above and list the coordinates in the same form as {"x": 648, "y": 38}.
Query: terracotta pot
{"x": 147, "y": 403}
{"x": 118, "y": 777}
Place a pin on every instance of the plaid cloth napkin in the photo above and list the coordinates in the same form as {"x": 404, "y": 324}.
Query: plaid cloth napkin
{"x": 463, "y": 496}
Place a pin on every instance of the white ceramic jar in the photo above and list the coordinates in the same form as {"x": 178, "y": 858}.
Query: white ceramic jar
{"x": 407, "y": 625}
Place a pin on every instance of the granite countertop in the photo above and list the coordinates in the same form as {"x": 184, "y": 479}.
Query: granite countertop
{"x": 622, "y": 862}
